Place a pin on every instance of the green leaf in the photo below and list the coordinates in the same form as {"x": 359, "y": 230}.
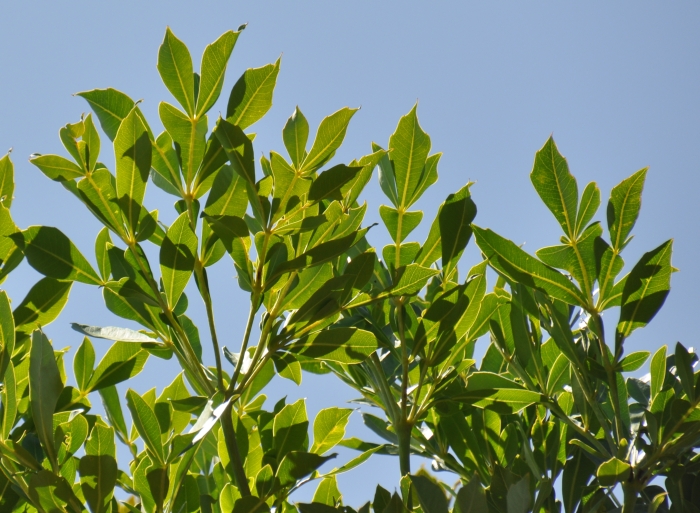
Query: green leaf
{"x": 290, "y": 429}
{"x": 634, "y": 361}
{"x": 485, "y": 389}
{"x": 471, "y": 498}
{"x": 111, "y": 107}
{"x": 175, "y": 68}
{"x": 92, "y": 139}
{"x": 114, "y": 412}
{"x": 431, "y": 497}
{"x": 558, "y": 375}
{"x": 577, "y": 473}
{"x": 658, "y": 371}
{"x": 329, "y": 137}
{"x": 98, "y": 192}
{"x": 310, "y": 281}
{"x": 684, "y": 369}
{"x": 122, "y": 361}
{"x": 53, "y": 254}
{"x": 7, "y": 332}
{"x": 98, "y": 469}
{"x": 341, "y": 345}
{"x": 518, "y": 266}
{"x": 213, "y": 68}
{"x": 329, "y": 183}
{"x": 295, "y": 134}
{"x": 7, "y": 181}
{"x": 146, "y": 423}
{"x": 590, "y": 201}
{"x": 56, "y": 167}
{"x": 101, "y": 255}
{"x": 287, "y": 366}
{"x": 623, "y": 208}
{"x": 327, "y": 492}
{"x": 455, "y": 218}
{"x": 132, "y": 151}
{"x": 519, "y": 497}
{"x": 329, "y": 428}
{"x": 409, "y": 146}
{"x": 612, "y": 472}
{"x": 83, "y": 363}
{"x": 645, "y": 290}
{"x": 431, "y": 249}
{"x": 50, "y": 492}
{"x": 9, "y": 398}
{"x": 177, "y": 258}
{"x": 189, "y": 138}
{"x": 556, "y": 186}
{"x": 228, "y": 195}
{"x": 411, "y": 279}
{"x": 251, "y": 96}
{"x": 298, "y": 464}
{"x": 42, "y": 304}
{"x": 45, "y": 387}
{"x": 399, "y": 226}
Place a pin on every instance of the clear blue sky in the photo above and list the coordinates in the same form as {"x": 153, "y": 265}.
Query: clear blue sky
{"x": 616, "y": 83}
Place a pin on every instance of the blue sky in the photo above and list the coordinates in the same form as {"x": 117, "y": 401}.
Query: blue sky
{"x": 616, "y": 84}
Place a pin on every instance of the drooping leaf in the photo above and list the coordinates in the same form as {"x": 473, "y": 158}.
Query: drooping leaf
{"x": 177, "y": 258}
{"x": 110, "y": 106}
{"x": 645, "y": 289}
{"x": 175, "y": 68}
{"x": 251, "y": 96}
{"x": 623, "y": 208}
{"x": 42, "y": 304}
{"x": 45, "y": 387}
{"x": 520, "y": 267}
{"x": 634, "y": 361}
{"x": 556, "y": 186}
{"x": 298, "y": 464}
{"x": 213, "y": 69}
{"x": 53, "y": 254}
{"x": 56, "y": 167}
{"x": 146, "y": 423}
{"x": 341, "y": 345}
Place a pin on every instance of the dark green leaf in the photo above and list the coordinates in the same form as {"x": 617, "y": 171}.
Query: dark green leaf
{"x": 329, "y": 137}
{"x": 177, "y": 258}
{"x": 471, "y": 498}
{"x": 612, "y": 472}
{"x": 290, "y": 429}
{"x": 455, "y": 218}
{"x": 42, "y": 304}
{"x": 122, "y": 361}
{"x": 328, "y": 184}
{"x": 53, "y": 254}
{"x": 98, "y": 469}
{"x": 146, "y": 423}
{"x": 297, "y": 465}
{"x": 45, "y": 387}
{"x": 295, "y": 134}
{"x": 432, "y": 498}
{"x": 341, "y": 345}
{"x": 684, "y": 369}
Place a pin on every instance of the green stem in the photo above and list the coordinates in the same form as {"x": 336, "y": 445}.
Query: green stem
{"x": 612, "y": 381}
{"x": 244, "y": 347}
{"x": 233, "y": 451}
{"x": 201, "y": 274}
{"x": 630, "y": 497}
{"x": 403, "y": 433}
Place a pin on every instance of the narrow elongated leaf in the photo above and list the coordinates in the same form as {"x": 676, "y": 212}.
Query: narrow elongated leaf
{"x": 341, "y": 345}
{"x": 45, "y": 387}
{"x": 409, "y": 146}
{"x": 132, "y": 152}
{"x": 329, "y": 428}
{"x": 177, "y": 258}
{"x": 295, "y": 134}
{"x": 590, "y": 201}
{"x": 329, "y": 137}
{"x": 518, "y": 266}
{"x": 411, "y": 279}
{"x": 239, "y": 149}
{"x": 634, "y": 361}
{"x": 577, "y": 473}
{"x": 122, "y": 361}
{"x": 98, "y": 192}
{"x": 556, "y": 186}
{"x": 329, "y": 183}
{"x": 43, "y": 303}
{"x": 53, "y": 254}
{"x": 228, "y": 195}
{"x": 213, "y": 69}
{"x": 57, "y": 168}
{"x": 298, "y": 464}
{"x": 646, "y": 289}
{"x": 9, "y": 398}
{"x": 7, "y": 332}
{"x": 455, "y": 219}
{"x": 623, "y": 208}
{"x": 83, "y": 364}
{"x": 98, "y": 469}
{"x": 658, "y": 371}
{"x": 189, "y": 137}
{"x": 175, "y": 68}
{"x": 684, "y": 369}
{"x": 251, "y": 96}
{"x": 146, "y": 423}
{"x": 112, "y": 333}
{"x": 7, "y": 181}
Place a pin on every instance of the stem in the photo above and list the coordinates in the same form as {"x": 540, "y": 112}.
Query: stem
{"x": 612, "y": 381}
{"x": 403, "y": 433}
{"x": 630, "y": 497}
{"x": 201, "y": 274}
{"x": 244, "y": 346}
{"x": 403, "y": 426}
{"x": 233, "y": 452}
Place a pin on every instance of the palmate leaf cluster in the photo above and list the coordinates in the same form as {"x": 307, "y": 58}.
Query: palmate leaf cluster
{"x": 548, "y": 420}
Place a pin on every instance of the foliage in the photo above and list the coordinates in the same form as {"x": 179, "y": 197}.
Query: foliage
{"x": 547, "y": 420}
